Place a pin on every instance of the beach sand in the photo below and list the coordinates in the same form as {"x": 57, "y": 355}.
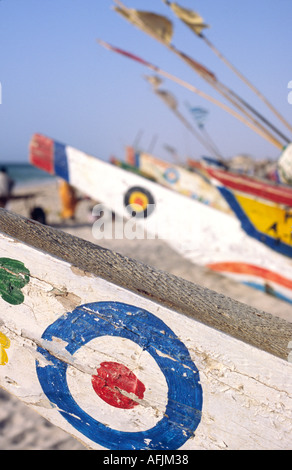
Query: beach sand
{"x": 22, "y": 428}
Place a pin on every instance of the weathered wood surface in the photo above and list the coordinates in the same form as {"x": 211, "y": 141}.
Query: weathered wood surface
{"x": 264, "y": 208}
{"x": 196, "y": 370}
{"x": 202, "y": 234}
{"x": 178, "y": 178}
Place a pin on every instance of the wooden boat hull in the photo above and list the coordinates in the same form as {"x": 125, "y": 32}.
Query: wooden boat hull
{"x": 124, "y": 357}
{"x": 178, "y": 178}
{"x": 264, "y": 209}
{"x": 198, "y": 232}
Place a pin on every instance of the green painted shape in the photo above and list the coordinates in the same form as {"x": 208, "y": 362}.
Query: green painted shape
{"x": 13, "y": 277}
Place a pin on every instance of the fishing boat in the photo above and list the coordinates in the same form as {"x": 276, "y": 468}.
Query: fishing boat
{"x": 264, "y": 208}
{"x": 178, "y": 178}
{"x": 200, "y": 233}
{"x": 124, "y": 357}
{"x": 264, "y": 219}
{"x": 127, "y": 166}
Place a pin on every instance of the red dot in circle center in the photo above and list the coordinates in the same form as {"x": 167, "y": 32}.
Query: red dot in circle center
{"x": 138, "y": 201}
{"x": 111, "y": 380}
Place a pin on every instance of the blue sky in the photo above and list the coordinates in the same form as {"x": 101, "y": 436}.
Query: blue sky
{"x": 58, "y": 81}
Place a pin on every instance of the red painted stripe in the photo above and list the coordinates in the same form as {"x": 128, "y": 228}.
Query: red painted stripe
{"x": 130, "y": 155}
{"x": 243, "y": 268}
{"x": 111, "y": 379}
{"x": 198, "y": 67}
{"x": 127, "y": 54}
{"x": 41, "y": 153}
{"x": 246, "y": 184}
{"x": 195, "y": 164}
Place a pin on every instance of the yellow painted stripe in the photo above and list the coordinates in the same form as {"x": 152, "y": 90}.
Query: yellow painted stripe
{"x": 268, "y": 218}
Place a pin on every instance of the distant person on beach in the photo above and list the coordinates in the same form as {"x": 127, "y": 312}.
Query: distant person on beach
{"x": 68, "y": 199}
{"x": 6, "y": 186}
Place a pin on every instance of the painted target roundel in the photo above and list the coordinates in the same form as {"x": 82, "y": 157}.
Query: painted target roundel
{"x": 139, "y": 202}
{"x": 115, "y": 382}
{"x": 171, "y": 175}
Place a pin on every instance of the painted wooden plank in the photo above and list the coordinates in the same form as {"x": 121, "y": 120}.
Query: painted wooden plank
{"x": 122, "y": 356}
{"x": 265, "y": 221}
{"x": 198, "y": 232}
{"x": 273, "y": 192}
{"x": 264, "y": 209}
{"x": 179, "y": 179}
{"x": 127, "y": 166}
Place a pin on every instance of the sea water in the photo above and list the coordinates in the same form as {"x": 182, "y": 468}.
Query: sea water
{"x": 24, "y": 174}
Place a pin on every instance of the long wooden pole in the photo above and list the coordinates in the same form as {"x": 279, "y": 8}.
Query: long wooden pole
{"x": 194, "y": 89}
{"x": 220, "y": 88}
{"x": 259, "y": 115}
{"x": 246, "y": 81}
{"x": 242, "y": 106}
{"x": 237, "y": 72}
{"x": 225, "y": 92}
{"x": 208, "y": 145}
{"x": 205, "y": 142}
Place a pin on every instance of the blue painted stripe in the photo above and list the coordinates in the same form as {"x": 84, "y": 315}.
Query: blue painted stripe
{"x": 261, "y": 287}
{"x": 61, "y": 161}
{"x": 250, "y": 229}
{"x": 171, "y": 175}
{"x": 214, "y": 162}
{"x": 137, "y": 159}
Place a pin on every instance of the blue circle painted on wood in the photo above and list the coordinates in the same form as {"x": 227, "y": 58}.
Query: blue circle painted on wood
{"x": 183, "y": 411}
{"x": 171, "y": 175}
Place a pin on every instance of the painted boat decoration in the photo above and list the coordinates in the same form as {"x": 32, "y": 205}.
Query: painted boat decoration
{"x": 179, "y": 179}
{"x": 124, "y": 357}
{"x": 127, "y": 166}
{"x": 198, "y": 232}
{"x": 263, "y": 208}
